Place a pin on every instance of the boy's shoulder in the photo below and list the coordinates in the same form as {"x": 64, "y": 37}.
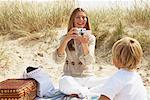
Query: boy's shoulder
{"x": 126, "y": 76}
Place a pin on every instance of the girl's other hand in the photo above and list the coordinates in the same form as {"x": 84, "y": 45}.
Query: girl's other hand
{"x": 72, "y": 34}
{"x": 72, "y": 31}
{"x": 69, "y": 37}
{"x": 83, "y": 39}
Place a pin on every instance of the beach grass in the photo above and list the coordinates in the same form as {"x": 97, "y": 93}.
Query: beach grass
{"x": 24, "y": 18}
{"x": 111, "y": 24}
{"x": 21, "y": 19}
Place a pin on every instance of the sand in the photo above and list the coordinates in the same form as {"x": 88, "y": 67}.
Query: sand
{"x": 37, "y": 51}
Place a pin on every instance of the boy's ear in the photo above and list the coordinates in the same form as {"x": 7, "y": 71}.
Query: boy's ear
{"x": 117, "y": 63}
{"x": 113, "y": 61}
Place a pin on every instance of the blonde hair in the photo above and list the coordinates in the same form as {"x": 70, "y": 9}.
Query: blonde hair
{"x": 128, "y": 52}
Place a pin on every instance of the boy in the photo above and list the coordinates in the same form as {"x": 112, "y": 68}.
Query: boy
{"x": 126, "y": 83}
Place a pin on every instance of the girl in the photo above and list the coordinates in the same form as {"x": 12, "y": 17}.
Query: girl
{"x": 77, "y": 53}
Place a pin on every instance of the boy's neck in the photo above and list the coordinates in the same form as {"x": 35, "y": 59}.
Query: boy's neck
{"x": 130, "y": 70}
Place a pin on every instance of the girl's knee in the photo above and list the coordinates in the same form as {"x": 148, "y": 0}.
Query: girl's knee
{"x": 66, "y": 78}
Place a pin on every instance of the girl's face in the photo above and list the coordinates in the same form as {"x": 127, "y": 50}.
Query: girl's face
{"x": 80, "y": 20}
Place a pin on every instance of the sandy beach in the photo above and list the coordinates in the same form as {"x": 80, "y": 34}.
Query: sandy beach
{"x": 37, "y": 51}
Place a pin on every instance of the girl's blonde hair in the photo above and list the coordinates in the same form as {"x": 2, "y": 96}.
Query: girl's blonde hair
{"x": 128, "y": 52}
{"x": 71, "y": 24}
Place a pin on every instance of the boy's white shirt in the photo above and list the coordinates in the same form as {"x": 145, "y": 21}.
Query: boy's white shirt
{"x": 125, "y": 85}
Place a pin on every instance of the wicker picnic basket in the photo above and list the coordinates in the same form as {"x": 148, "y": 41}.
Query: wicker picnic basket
{"x": 18, "y": 89}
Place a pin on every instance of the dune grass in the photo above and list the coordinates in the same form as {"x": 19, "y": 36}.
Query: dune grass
{"x": 108, "y": 25}
{"x": 25, "y": 18}
{"x": 140, "y": 13}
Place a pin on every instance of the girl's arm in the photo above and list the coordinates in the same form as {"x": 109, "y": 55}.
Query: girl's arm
{"x": 70, "y": 35}
{"x": 85, "y": 48}
{"x": 59, "y": 55}
{"x": 88, "y": 47}
{"x": 61, "y": 48}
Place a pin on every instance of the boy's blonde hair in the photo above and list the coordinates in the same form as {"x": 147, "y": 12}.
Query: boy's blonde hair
{"x": 127, "y": 52}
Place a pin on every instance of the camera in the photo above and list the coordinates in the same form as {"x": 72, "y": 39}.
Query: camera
{"x": 81, "y": 31}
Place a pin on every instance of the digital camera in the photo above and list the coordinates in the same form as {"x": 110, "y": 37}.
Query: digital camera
{"x": 82, "y": 31}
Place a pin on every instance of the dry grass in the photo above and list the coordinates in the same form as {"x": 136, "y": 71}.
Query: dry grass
{"x": 140, "y": 13}
{"x": 109, "y": 25}
{"x": 25, "y": 18}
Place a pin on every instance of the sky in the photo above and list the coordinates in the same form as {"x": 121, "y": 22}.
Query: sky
{"x": 104, "y": 3}
{"x": 93, "y": 4}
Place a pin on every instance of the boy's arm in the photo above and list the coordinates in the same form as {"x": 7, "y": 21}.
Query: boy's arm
{"x": 112, "y": 87}
{"x": 103, "y": 97}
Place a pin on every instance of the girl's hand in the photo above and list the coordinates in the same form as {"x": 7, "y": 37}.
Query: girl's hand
{"x": 83, "y": 39}
{"x": 72, "y": 34}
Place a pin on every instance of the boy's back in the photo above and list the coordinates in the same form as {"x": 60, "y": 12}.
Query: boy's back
{"x": 127, "y": 85}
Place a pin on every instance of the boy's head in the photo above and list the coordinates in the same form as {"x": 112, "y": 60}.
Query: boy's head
{"x": 127, "y": 53}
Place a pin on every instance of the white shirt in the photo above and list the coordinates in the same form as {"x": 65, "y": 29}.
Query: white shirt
{"x": 125, "y": 85}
